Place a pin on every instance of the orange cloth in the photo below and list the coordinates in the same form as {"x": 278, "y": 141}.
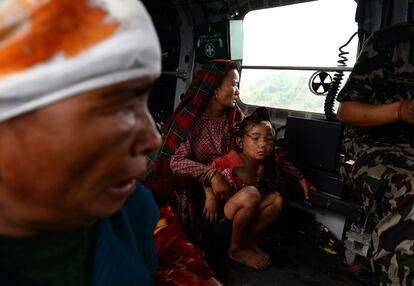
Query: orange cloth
{"x": 53, "y": 49}
{"x": 179, "y": 261}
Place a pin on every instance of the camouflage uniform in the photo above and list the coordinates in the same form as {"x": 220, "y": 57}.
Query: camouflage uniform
{"x": 384, "y": 156}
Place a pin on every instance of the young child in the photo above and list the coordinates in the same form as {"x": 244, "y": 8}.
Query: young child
{"x": 253, "y": 206}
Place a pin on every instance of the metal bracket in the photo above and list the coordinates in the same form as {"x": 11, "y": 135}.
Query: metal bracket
{"x": 178, "y": 74}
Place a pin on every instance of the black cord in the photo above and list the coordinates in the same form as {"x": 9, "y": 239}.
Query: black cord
{"x": 336, "y": 82}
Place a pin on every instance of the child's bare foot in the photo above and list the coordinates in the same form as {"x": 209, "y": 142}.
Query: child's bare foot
{"x": 249, "y": 258}
{"x": 253, "y": 246}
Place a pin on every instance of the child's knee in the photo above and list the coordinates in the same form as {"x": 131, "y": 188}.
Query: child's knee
{"x": 278, "y": 200}
{"x": 230, "y": 209}
{"x": 250, "y": 196}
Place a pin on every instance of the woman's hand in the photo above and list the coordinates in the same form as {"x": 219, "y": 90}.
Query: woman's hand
{"x": 210, "y": 212}
{"x": 220, "y": 187}
{"x": 307, "y": 187}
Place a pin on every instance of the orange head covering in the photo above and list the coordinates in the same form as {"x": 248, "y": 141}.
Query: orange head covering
{"x": 53, "y": 49}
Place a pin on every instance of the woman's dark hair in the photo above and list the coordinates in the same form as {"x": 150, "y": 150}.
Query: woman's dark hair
{"x": 233, "y": 66}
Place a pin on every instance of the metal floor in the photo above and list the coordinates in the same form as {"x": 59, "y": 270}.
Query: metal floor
{"x": 297, "y": 259}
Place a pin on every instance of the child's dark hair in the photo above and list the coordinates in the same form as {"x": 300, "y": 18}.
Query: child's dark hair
{"x": 258, "y": 116}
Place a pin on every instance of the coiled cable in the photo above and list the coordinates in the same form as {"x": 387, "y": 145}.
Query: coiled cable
{"x": 336, "y": 82}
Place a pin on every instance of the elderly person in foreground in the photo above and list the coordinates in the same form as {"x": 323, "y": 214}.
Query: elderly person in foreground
{"x": 75, "y": 77}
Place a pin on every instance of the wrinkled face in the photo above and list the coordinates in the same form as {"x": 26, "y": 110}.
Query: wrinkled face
{"x": 228, "y": 93}
{"x": 257, "y": 143}
{"x": 78, "y": 160}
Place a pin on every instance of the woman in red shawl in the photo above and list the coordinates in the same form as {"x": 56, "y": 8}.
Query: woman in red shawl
{"x": 201, "y": 128}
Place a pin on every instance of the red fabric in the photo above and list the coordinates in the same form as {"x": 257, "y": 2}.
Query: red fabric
{"x": 179, "y": 278}
{"x": 225, "y": 165}
{"x": 179, "y": 261}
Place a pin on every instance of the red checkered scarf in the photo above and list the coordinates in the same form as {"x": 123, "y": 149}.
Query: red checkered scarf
{"x": 206, "y": 81}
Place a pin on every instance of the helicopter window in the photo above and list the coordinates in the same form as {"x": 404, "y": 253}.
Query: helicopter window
{"x": 294, "y": 42}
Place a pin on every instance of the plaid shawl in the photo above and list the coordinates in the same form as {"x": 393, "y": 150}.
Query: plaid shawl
{"x": 206, "y": 81}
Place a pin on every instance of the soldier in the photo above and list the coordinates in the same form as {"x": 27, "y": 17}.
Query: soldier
{"x": 377, "y": 106}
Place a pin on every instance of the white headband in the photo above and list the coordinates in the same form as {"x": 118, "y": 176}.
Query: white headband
{"x": 131, "y": 51}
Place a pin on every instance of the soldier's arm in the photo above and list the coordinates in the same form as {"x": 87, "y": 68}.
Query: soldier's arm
{"x": 371, "y": 115}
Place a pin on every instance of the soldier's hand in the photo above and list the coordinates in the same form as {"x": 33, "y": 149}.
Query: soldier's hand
{"x": 406, "y": 111}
